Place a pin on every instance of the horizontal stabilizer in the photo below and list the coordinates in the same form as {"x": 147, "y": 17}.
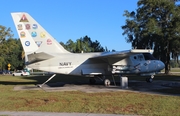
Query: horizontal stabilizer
{"x": 36, "y": 57}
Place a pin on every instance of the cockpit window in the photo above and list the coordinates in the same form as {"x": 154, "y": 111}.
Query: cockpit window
{"x": 140, "y": 57}
{"x": 148, "y": 56}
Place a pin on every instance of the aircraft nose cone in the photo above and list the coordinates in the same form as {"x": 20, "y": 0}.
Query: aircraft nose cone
{"x": 161, "y": 65}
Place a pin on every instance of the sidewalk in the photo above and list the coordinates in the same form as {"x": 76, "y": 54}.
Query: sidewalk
{"x": 28, "y": 113}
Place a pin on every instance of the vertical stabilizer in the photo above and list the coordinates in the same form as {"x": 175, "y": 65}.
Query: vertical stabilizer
{"x": 27, "y": 42}
{"x": 34, "y": 37}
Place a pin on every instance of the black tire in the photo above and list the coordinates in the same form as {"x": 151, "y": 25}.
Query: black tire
{"x": 107, "y": 82}
{"x": 149, "y": 80}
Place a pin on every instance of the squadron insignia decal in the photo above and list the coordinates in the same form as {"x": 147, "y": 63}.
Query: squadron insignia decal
{"x": 19, "y": 26}
{"x": 22, "y": 34}
{"x": 38, "y": 43}
{"x": 23, "y": 18}
{"x": 35, "y": 26}
{"x": 33, "y": 34}
{"x": 43, "y": 34}
{"x": 28, "y": 26}
{"x": 49, "y": 41}
{"x": 27, "y": 43}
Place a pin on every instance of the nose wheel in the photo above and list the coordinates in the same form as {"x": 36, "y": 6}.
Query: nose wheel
{"x": 150, "y": 79}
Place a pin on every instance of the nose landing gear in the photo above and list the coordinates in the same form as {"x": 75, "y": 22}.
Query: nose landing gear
{"x": 150, "y": 79}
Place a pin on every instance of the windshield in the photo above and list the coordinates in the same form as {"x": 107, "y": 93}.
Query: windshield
{"x": 148, "y": 56}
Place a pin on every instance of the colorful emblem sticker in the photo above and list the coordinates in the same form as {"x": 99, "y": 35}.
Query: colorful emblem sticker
{"x": 35, "y": 26}
{"x": 23, "y": 18}
{"x": 28, "y": 26}
{"x": 49, "y": 41}
{"x": 38, "y": 43}
{"x": 23, "y": 34}
{"x": 43, "y": 34}
{"x": 19, "y": 27}
{"x": 27, "y": 43}
{"x": 33, "y": 34}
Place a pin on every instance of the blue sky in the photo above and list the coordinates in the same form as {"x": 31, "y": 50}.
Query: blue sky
{"x": 71, "y": 19}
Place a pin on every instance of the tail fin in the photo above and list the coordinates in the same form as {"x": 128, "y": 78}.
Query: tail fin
{"x": 34, "y": 37}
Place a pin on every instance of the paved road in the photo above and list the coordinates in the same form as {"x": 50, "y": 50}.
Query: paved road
{"x": 55, "y": 114}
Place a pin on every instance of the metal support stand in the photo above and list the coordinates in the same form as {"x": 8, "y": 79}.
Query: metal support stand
{"x": 46, "y": 81}
{"x": 113, "y": 80}
{"x": 124, "y": 82}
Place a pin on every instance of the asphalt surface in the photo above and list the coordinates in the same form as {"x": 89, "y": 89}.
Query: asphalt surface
{"x": 134, "y": 86}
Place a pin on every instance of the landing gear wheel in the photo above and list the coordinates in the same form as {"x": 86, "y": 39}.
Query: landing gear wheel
{"x": 92, "y": 81}
{"x": 107, "y": 82}
{"x": 149, "y": 79}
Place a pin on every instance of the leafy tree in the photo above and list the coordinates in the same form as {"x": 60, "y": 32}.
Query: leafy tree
{"x": 4, "y": 34}
{"x": 71, "y": 46}
{"x": 97, "y": 47}
{"x": 84, "y": 44}
{"x": 10, "y": 50}
{"x": 14, "y": 54}
{"x": 174, "y": 64}
{"x": 155, "y": 25}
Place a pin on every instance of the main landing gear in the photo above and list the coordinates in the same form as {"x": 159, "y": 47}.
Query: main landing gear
{"x": 150, "y": 79}
{"x": 92, "y": 81}
{"x": 107, "y": 82}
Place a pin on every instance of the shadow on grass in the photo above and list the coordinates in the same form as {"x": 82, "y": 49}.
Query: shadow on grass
{"x": 16, "y": 83}
{"x": 39, "y": 79}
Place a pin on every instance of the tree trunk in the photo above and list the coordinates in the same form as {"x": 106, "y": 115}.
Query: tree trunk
{"x": 166, "y": 68}
{"x": 167, "y": 63}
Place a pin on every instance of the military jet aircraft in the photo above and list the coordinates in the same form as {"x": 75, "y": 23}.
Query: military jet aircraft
{"x": 46, "y": 54}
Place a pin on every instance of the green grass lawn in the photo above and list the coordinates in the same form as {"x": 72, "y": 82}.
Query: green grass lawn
{"x": 173, "y": 70}
{"x": 76, "y": 101}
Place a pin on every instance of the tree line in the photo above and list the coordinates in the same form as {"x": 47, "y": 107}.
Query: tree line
{"x": 11, "y": 51}
{"x": 83, "y": 44}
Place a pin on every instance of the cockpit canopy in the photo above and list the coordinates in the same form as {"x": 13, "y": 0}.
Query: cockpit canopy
{"x": 148, "y": 56}
{"x": 142, "y": 57}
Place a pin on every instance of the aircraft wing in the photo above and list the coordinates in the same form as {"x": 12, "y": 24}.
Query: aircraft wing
{"x": 122, "y": 54}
